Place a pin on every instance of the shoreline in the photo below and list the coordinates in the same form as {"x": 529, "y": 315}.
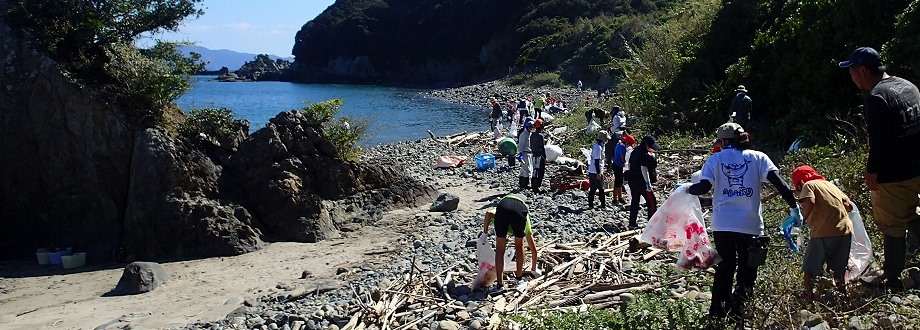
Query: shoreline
{"x": 436, "y": 241}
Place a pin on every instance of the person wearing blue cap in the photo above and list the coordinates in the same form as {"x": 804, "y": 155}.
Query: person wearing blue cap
{"x": 892, "y": 107}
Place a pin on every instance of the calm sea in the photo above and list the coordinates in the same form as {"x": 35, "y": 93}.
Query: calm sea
{"x": 396, "y": 114}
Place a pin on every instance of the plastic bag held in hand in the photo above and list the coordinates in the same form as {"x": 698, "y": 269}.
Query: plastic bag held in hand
{"x": 797, "y": 215}
{"x": 678, "y": 226}
{"x": 860, "y": 247}
{"x": 485, "y": 256}
{"x": 790, "y": 226}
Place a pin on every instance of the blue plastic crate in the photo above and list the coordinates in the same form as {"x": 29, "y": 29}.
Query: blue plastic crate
{"x": 485, "y": 162}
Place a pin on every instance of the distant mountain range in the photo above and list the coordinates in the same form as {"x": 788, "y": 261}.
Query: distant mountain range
{"x": 216, "y": 59}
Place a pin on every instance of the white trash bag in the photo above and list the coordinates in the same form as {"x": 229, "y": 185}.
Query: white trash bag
{"x": 552, "y": 152}
{"x": 593, "y": 127}
{"x": 678, "y": 226}
{"x": 860, "y": 247}
{"x": 485, "y": 256}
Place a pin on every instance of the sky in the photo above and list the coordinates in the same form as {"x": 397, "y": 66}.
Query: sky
{"x": 248, "y": 26}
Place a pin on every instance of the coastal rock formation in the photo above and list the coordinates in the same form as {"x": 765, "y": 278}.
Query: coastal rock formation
{"x": 290, "y": 174}
{"x": 78, "y": 173}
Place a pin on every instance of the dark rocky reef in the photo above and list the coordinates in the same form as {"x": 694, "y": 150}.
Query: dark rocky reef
{"x": 77, "y": 172}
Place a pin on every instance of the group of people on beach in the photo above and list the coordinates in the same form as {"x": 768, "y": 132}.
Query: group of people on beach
{"x": 734, "y": 173}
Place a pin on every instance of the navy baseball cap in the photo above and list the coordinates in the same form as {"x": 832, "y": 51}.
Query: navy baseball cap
{"x": 863, "y": 56}
{"x": 649, "y": 141}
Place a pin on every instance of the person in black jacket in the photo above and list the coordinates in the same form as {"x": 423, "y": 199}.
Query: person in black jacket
{"x": 892, "y": 107}
{"x": 642, "y": 177}
{"x": 538, "y": 147}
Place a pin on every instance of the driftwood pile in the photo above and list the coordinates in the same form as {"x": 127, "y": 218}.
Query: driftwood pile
{"x": 578, "y": 275}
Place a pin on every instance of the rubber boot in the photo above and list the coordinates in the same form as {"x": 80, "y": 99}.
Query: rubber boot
{"x": 522, "y": 182}
{"x": 895, "y": 249}
{"x": 590, "y": 199}
{"x": 913, "y": 237}
{"x": 603, "y": 199}
{"x": 617, "y": 194}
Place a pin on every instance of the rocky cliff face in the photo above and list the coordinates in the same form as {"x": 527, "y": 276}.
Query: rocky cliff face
{"x": 75, "y": 172}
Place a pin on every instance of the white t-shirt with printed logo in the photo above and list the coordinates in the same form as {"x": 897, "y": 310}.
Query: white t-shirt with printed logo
{"x": 736, "y": 178}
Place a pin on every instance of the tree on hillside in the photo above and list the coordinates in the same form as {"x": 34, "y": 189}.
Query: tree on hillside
{"x": 86, "y": 36}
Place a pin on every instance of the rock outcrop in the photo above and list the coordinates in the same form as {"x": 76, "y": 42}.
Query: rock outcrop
{"x": 76, "y": 172}
{"x": 300, "y": 191}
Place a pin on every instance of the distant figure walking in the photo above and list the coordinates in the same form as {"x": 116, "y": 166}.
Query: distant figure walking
{"x": 495, "y": 116}
{"x": 740, "y": 108}
{"x": 522, "y": 110}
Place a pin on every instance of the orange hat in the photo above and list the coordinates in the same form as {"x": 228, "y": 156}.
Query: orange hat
{"x": 628, "y": 139}
{"x": 803, "y": 174}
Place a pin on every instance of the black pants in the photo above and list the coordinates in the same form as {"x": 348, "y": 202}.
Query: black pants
{"x": 539, "y": 169}
{"x": 637, "y": 189}
{"x": 595, "y": 185}
{"x": 733, "y": 248}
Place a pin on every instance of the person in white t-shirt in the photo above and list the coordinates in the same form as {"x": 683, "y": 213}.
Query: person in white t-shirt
{"x": 735, "y": 175}
{"x": 596, "y": 170}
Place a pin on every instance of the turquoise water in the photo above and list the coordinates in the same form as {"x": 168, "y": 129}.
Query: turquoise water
{"x": 396, "y": 114}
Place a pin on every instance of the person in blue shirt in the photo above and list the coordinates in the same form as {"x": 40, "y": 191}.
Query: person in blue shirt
{"x": 618, "y": 163}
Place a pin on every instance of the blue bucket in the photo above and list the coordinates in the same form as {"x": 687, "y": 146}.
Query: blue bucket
{"x": 485, "y": 162}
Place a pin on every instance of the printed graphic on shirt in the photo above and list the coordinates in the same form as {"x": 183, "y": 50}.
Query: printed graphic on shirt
{"x": 735, "y": 174}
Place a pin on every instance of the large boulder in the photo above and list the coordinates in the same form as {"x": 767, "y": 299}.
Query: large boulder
{"x": 445, "y": 203}
{"x": 174, "y": 208}
{"x": 301, "y": 191}
{"x": 140, "y": 277}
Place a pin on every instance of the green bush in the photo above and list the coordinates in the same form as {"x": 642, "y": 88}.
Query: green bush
{"x": 343, "y": 133}
{"x": 94, "y": 41}
{"x": 149, "y": 80}
{"x": 210, "y": 122}
{"x": 321, "y": 113}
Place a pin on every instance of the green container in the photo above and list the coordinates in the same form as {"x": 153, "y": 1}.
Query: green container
{"x": 507, "y": 146}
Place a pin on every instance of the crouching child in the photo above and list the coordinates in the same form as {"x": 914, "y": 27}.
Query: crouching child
{"x": 824, "y": 208}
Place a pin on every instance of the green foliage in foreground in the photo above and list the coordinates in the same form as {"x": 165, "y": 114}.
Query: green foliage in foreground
{"x": 344, "y": 133}
{"x": 649, "y": 311}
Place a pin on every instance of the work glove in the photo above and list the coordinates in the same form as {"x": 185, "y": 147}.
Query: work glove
{"x": 796, "y": 215}
{"x": 520, "y": 156}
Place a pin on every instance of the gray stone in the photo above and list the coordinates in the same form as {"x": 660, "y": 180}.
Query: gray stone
{"x": 475, "y": 325}
{"x": 448, "y": 325}
{"x": 255, "y": 321}
{"x": 627, "y": 297}
{"x": 445, "y": 203}
{"x": 141, "y": 277}
{"x": 821, "y": 326}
